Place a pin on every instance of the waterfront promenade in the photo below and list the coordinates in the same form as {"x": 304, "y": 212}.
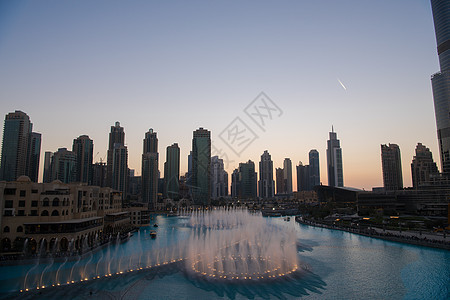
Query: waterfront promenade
{"x": 421, "y": 238}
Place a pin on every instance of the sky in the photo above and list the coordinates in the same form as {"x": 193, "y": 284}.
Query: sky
{"x": 361, "y": 66}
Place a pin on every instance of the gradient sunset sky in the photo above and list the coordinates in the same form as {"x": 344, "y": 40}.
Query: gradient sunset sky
{"x": 364, "y": 66}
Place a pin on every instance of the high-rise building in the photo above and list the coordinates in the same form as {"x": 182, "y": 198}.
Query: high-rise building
{"x": 150, "y": 171}
{"x": 441, "y": 80}
{"x": 303, "y": 177}
{"x": 266, "y": 184}
{"x": 116, "y": 137}
{"x": 20, "y": 148}
{"x": 314, "y": 169}
{"x": 235, "y": 184}
{"x": 279, "y": 180}
{"x": 120, "y": 169}
{"x": 99, "y": 170}
{"x": 334, "y": 160}
{"x": 201, "y": 166}
{"x": 392, "y": 167}
{"x": 219, "y": 178}
{"x": 172, "y": 172}
{"x": 423, "y": 168}
{"x": 247, "y": 181}
{"x": 287, "y": 175}
{"x": 83, "y": 147}
{"x": 33, "y": 156}
{"x": 47, "y": 167}
{"x": 63, "y": 166}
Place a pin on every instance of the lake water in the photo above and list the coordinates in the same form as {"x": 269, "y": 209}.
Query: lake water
{"x": 334, "y": 265}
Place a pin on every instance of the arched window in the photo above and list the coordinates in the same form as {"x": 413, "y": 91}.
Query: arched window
{"x": 44, "y": 213}
{"x": 46, "y": 202}
{"x": 19, "y": 229}
{"x": 62, "y": 214}
{"x": 55, "y": 202}
{"x": 6, "y": 229}
{"x": 55, "y": 213}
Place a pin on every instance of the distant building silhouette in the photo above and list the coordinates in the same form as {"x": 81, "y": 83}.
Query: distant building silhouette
{"x": 21, "y": 148}
{"x": 47, "y": 167}
{"x": 83, "y": 147}
{"x": 172, "y": 172}
{"x": 64, "y": 166}
{"x": 279, "y": 181}
{"x": 287, "y": 174}
{"x": 219, "y": 178}
{"x": 423, "y": 168}
{"x": 392, "y": 167}
{"x": 116, "y": 139}
{"x": 314, "y": 169}
{"x": 441, "y": 81}
{"x": 266, "y": 184}
{"x": 150, "y": 172}
{"x": 201, "y": 166}
{"x": 303, "y": 177}
{"x": 244, "y": 181}
{"x": 334, "y": 160}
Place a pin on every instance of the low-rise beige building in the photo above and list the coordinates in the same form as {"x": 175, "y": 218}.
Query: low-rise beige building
{"x": 58, "y": 217}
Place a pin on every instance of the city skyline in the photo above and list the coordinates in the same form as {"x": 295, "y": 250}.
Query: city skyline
{"x": 85, "y": 84}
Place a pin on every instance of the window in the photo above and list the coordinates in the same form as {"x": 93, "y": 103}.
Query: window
{"x": 44, "y": 213}
{"x": 34, "y": 212}
{"x": 8, "y": 212}
{"x": 55, "y": 202}
{"x": 21, "y": 212}
{"x": 8, "y": 204}
{"x": 23, "y": 193}
{"x": 21, "y": 203}
{"x": 46, "y": 202}
{"x": 6, "y": 229}
{"x": 55, "y": 213}
{"x": 34, "y": 204}
{"x": 9, "y": 191}
{"x": 19, "y": 229}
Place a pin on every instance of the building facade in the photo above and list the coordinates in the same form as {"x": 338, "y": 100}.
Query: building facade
{"x": 83, "y": 147}
{"x": 21, "y": 148}
{"x": 266, "y": 184}
{"x": 392, "y": 167}
{"x": 150, "y": 171}
{"x": 219, "y": 179}
{"x": 172, "y": 172}
{"x": 423, "y": 167}
{"x": 201, "y": 167}
{"x": 441, "y": 80}
{"x": 116, "y": 139}
{"x": 334, "y": 161}
{"x": 314, "y": 168}
{"x": 63, "y": 166}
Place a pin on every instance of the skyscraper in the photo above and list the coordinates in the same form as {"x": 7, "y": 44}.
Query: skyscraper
{"x": 279, "y": 181}
{"x": 47, "y": 167}
{"x": 83, "y": 147}
{"x": 201, "y": 166}
{"x": 392, "y": 167}
{"x": 266, "y": 184}
{"x": 63, "y": 166}
{"x": 334, "y": 160}
{"x": 33, "y": 156}
{"x": 219, "y": 178}
{"x": 314, "y": 168}
{"x": 287, "y": 174}
{"x": 116, "y": 137}
{"x": 150, "y": 172}
{"x": 303, "y": 177}
{"x": 172, "y": 172}
{"x": 423, "y": 168}
{"x": 20, "y": 148}
{"x": 247, "y": 180}
{"x": 120, "y": 169}
{"x": 441, "y": 80}
{"x": 235, "y": 183}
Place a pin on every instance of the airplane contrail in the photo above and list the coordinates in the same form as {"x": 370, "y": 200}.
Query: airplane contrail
{"x": 343, "y": 86}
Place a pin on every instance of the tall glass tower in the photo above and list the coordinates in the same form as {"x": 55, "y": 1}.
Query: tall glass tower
{"x": 201, "y": 166}
{"x": 266, "y": 184}
{"x": 441, "y": 80}
{"x": 21, "y": 148}
{"x": 334, "y": 159}
{"x": 83, "y": 147}
{"x": 150, "y": 172}
{"x": 172, "y": 172}
{"x": 116, "y": 139}
{"x": 314, "y": 168}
